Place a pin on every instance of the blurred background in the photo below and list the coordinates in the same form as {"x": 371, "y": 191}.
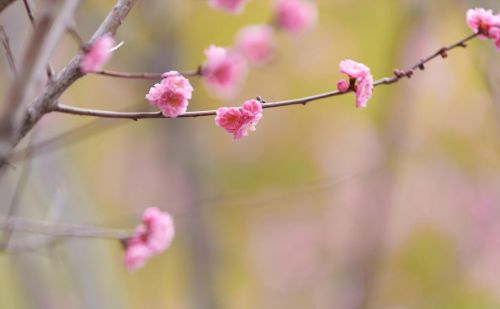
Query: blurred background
{"x": 395, "y": 206}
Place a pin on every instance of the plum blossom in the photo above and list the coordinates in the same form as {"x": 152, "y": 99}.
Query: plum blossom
{"x": 150, "y": 238}
{"x": 171, "y": 95}
{"x": 224, "y": 71}
{"x": 486, "y": 23}
{"x": 296, "y": 15}
{"x": 360, "y": 78}
{"x": 256, "y": 43}
{"x": 239, "y": 121}
{"x": 231, "y": 6}
{"x": 97, "y": 55}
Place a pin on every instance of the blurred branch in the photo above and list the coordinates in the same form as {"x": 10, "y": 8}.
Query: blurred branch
{"x": 4, "y": 4}
{"x": 398, "y": 75}
{"x": 8, "y": 51}
{"x": 62, "y": 230}
{"x": 29, "y": 12}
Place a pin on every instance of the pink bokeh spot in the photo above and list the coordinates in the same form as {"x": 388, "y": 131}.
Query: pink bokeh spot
{"x": 364, "y": 81}
{"x": 171, "y": 95}
{"x": 151, "y": 237}
{"x": 231, "y": 6}
{"x": 98, "y": 54}
{"x": 256, "y": 43}
{"x": 223, "y": 71}
{"x": 239, "y": 121}
{"x": 296, "y": 15}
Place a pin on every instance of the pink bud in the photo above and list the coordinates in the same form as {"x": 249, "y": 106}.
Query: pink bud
{"x": 98, "y": 54}
{"x": 342, "y": 85}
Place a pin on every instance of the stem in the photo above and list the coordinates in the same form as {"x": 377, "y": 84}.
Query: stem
{"x": 398, "y": 75}
{"x": 153, "y": 76}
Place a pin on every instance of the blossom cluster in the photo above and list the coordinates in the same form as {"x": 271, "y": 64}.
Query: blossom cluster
{"x": 151, "y": 237}
{"x": 485, "y": 23}
{"x": 224, "y": 69}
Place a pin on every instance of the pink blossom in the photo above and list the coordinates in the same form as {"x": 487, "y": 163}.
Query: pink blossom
{"x": 354, "y": 69}
{"x": 231, "y": 6}
{"x": 223, "y": 71}
{"x": 256, "y": 43}
{"x": 98, "y": 54}
{"x": 296, "y": 15}
{"x": 238, "y": 121}
{"x": 151, "y": 237}
{"x": 364, "y": 90}
{"x": 481, "y": 20}
{"x": 360, "y": 73}
{"x": 171, "y": 95}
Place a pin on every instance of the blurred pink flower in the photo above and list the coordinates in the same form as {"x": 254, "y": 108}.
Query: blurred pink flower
{"x": 296, "y": 15}
{"x": 98, "y": 54}
{"x": 231, "y": 6}
{"x": 481, "y": 20}
{"x": 364, "y": 80}
{"x": 171, "y": 95}
{"x": 256, "y": 43}
{"x": 224, "y": 71}
{"x": 238, "y": 121}
{"x": 151, "y": 237}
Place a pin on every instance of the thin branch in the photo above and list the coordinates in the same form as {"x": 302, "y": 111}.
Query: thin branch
{"x": 63, "y": 230}
{"x": 29, "y": 12}
{"x": 4, "y": 4}
{"x": 153, "y": 76}
{"x": 398, "y": 75}
{"x": 78, "y": 39}
{"x": 8, "y": 51}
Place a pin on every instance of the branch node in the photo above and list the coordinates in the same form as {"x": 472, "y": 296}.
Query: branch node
{"x": 443, "y": 52}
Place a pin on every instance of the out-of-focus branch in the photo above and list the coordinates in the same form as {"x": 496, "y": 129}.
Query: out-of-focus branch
{"x": 398, "y": 75}
{"x": 46, "y": 101}
{"x": 29, "y": 12}
{"x": 4, "y": 4}
{"x": 8, "y": 51}
{"x": 153, "y": 76}
{"x": 18, "y": 224}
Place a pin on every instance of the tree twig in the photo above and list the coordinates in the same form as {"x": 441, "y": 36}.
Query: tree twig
{"x": 8, "y": 51}
{"x": 398, "y": 75}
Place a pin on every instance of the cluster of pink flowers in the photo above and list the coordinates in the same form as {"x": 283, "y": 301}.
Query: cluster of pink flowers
{"x": 97, "y": 55}
{"x": 486, "y": 23}
{"x": 296, "y": 15}
{"x": 238, "y": 121}
{"x": 231, "y": 6}
{"x": 171, "y": 95}
{"x": 360, "y": 81}
{"x": 151, "y": 237}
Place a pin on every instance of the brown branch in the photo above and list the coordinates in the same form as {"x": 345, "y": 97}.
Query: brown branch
{"x": 398, "y": 75}
{"x": 154, "y": 76}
